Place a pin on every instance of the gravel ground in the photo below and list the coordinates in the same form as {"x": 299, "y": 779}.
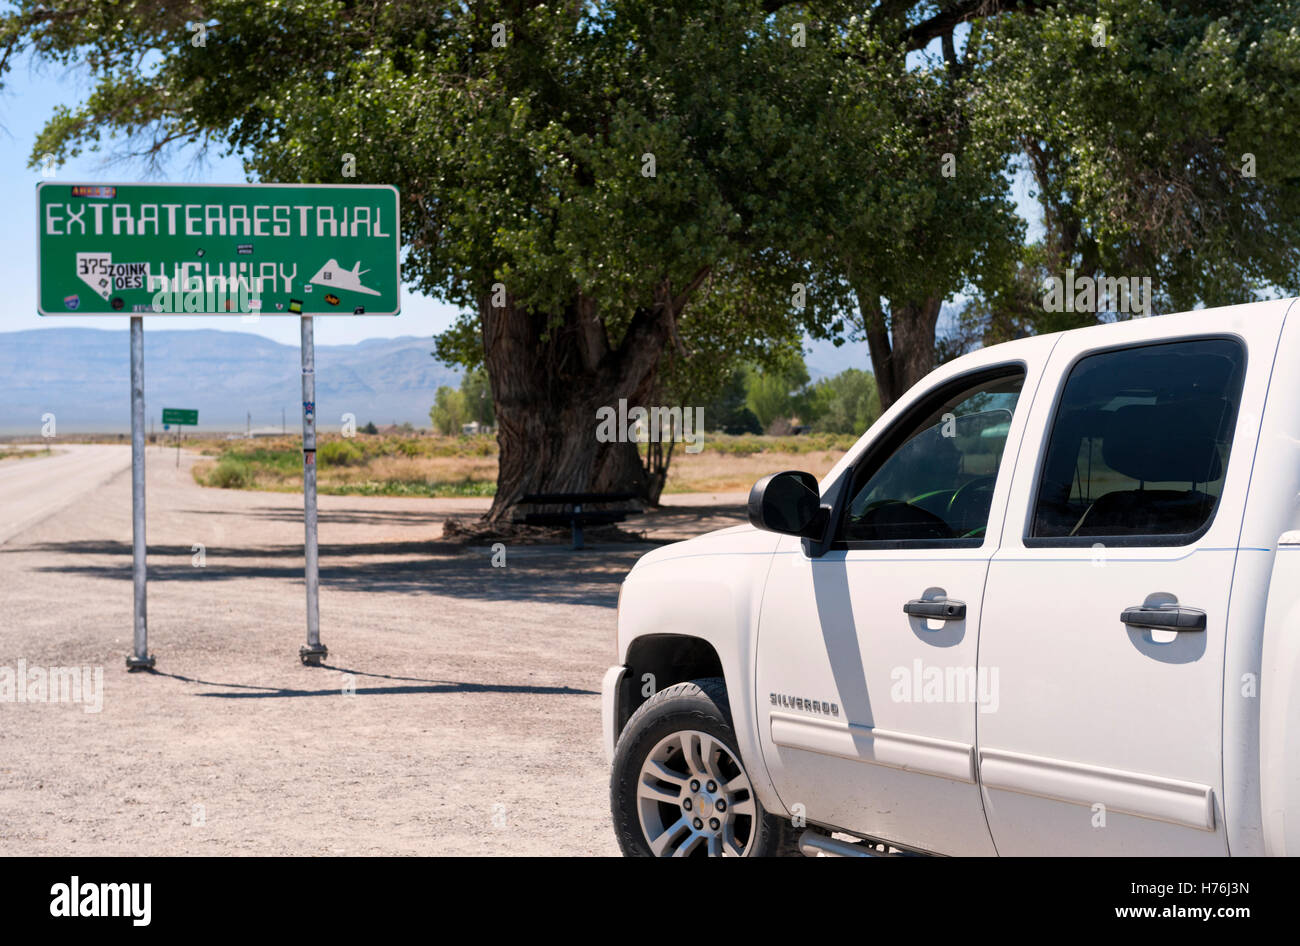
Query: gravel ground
{"x": 458, "y": 711}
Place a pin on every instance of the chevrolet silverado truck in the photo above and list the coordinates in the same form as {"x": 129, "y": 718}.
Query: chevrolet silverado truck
{"x": 1048, "y": 604}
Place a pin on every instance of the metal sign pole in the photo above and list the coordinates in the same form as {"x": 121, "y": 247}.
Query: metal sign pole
{"x": 311, "y": 654}
{"x": 140, "y": 658}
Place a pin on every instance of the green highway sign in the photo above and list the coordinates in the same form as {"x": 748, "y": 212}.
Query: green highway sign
{"x": 217, "y": 249}
{"x": 172, "y": 415}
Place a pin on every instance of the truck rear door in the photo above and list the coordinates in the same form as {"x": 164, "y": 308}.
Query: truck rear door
{"x": 1106, "y": 607}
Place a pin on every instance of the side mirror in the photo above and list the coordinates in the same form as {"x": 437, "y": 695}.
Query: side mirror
{"x": 788, "y": 503}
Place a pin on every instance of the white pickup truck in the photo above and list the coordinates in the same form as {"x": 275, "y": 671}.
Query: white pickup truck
{"x": 1048, "y": 604}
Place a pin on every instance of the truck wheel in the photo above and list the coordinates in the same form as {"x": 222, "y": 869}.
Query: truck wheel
{"x": 679, "y": 787}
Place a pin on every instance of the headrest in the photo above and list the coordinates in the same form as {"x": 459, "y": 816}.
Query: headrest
{"x": 1166, "y": 443}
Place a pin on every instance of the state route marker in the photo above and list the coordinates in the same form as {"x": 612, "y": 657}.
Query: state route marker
{"x": 218, "y": 249}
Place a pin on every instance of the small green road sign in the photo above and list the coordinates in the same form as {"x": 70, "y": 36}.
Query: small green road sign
{"x": 216, "y": 249}
{"x": 173, "y": 415}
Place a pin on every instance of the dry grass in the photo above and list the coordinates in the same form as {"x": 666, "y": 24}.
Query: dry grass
{"x": 20, "y": 453}
{"x": 386, "y": 469}
{"x": 426, "y": 465}
{"x": 728, "y": 473}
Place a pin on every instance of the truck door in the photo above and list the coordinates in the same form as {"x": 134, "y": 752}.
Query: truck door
{"x": 1106, "y": 607}
{"x": 866, "y": 665}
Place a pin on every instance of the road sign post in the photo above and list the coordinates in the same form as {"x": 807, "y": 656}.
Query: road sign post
{"x": 314, "y": 651}
{"x": 179, "y": 417}
{"x": 218, "y": 249}
{"x": 140, "y": 658}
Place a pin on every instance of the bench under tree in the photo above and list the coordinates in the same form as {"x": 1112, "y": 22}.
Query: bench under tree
{"x": 573, "y": 511}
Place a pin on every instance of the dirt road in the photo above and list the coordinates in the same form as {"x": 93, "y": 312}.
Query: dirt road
{"x": 458, "y": 712}
{"x": 32, "y": 489}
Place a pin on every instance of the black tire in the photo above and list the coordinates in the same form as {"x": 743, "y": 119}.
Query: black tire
{"x": 700, "y": 706}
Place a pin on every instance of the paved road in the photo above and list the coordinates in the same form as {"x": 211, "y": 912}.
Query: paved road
{"x": 32, "y": 490}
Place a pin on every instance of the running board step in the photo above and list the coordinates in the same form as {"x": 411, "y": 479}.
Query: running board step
{"x": 812, "y": 843}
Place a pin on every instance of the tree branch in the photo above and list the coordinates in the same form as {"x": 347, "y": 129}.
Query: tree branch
{"x": 944, "y": 22}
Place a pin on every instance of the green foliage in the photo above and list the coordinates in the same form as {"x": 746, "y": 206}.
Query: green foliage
{"x": 845, "y": 404}
{"x": 748, "y": 445}
{"x": 772, "y": 395}
{"x": 339, "y": 453}
{"x": 231, "y": 473}
{"x": 449, "y": 411}
{"x": 779, "y": 392}
{"x": 848, "y": 403}
{"x": 477, "y": 394}
{"x": 728, "y": 412}
{"x": 277, "y": 467}
{"x": 370, "y": 428}
{"x": 1171, "y": 150}
{"x": 466, "y": 487}
{"x": 286, "y": 461}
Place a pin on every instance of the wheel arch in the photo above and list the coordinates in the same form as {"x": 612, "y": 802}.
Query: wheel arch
{"x": 660, "y": 660}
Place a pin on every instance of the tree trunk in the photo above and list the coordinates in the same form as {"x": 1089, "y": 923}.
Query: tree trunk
{"x": 902, "y": 352}
{"x": 550, "y": 375}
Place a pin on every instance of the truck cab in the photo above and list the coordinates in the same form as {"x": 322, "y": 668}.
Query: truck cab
{"x": 1048, "y": 604}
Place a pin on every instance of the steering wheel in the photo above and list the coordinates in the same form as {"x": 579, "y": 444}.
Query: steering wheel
{"x": 893, "y": 519}
{"x": 970, "y": 497}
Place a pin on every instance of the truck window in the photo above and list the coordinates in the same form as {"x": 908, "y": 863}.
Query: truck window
{"x": 1139, "y": 445}
{"x": 936, "y": 485}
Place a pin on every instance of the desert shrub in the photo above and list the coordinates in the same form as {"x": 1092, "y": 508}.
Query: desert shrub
{"x": 339, "y": 453}
{"x": 231, "y": 473}
{"x": 739, "y": 447}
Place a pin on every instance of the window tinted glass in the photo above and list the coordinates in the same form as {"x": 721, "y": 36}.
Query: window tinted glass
{"x": 938, "y": 483}
{"x": 1140, "y": 441}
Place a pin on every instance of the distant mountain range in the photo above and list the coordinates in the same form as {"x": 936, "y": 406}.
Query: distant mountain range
{"x": 81, "y": 375}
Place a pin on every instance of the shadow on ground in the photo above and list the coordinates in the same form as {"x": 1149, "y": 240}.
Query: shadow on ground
{"x": 244, "y": 691}
{"x": 366, "y": 517}
{"x": 555, "y": 575}
{"x": 543, "y": 573}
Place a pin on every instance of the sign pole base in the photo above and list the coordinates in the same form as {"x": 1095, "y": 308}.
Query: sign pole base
{"x": 311, "y": 656}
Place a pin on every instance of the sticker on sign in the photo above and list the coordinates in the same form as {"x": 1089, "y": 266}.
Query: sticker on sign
{"x": 218, "y": 249}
